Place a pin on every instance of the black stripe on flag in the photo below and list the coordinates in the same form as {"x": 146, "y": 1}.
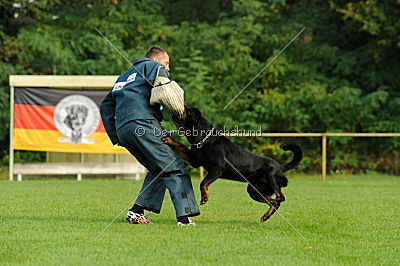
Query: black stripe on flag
{"x": 50, "y": 96}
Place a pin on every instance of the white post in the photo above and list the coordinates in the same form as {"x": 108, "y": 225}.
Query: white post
{"x": 79, "y": 176}
{"x": 11, "y": 157}
{"x": 47, "y": 160}
{"x": 116, "y": 160}
{"x": 19, "y": 177}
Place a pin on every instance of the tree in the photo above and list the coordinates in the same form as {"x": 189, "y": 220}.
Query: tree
{"x": 340, "y": 75}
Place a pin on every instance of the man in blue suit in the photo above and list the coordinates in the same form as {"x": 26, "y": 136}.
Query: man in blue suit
{"x": 132, "y": 122}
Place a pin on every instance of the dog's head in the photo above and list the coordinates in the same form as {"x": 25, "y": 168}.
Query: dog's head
{"x": 76, "y": 116}
{"x": 193, "y": 114}
{"x": 192, "y": 117}
{"x": 195, "y": 121}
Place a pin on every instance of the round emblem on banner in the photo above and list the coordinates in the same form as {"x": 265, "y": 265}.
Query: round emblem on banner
{"x": 76, "y": 117}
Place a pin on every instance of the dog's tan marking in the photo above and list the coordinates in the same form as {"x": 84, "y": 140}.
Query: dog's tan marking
{"x": 182, "y": 150}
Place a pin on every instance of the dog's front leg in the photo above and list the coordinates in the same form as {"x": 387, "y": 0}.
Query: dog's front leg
{"x": 183, "y": 152}
{"x": 207, "y": 181}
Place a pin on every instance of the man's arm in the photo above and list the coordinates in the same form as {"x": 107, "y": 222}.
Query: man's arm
{"x": 161, "y": 77}
{"x": 168, "y": 93}
{"x": 107, "y": 111}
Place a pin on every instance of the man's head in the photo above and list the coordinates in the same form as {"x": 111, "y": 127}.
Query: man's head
{"x": 158, "y": 54}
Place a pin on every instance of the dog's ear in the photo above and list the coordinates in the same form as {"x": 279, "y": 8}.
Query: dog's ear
{"x": 195, "y": 113}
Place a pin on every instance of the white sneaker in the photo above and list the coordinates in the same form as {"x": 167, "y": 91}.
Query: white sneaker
{"x": 190, "y": 223}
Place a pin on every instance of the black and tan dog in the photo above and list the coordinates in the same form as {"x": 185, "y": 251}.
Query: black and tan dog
{"x": 224, "y": 159}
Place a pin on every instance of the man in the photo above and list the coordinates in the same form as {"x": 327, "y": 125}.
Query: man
{"x": 132, "y": 122}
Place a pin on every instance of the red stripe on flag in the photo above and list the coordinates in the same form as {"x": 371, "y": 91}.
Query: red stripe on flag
{"x": 101, "y": 127}
{"x": 38, "y": 117}
{"x": 34, "y": 117}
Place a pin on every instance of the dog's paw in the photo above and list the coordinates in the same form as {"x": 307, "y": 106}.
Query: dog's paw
{"x": 167, "y": 140}
{"x": 267, "y": 215}
{"x": 272, "y": 209}
{"x": 203, "y": 200}
{"x": 264, "y": 218}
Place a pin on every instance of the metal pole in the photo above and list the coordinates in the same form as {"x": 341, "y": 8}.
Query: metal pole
{"x": 324, "y": 140}
{"x": 11, "y": 160}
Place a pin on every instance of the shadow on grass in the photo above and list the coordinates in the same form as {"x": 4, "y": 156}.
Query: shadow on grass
{"x": 121, "y": 220}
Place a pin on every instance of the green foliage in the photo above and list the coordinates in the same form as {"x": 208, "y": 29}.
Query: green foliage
{"x": 340, "y": 75}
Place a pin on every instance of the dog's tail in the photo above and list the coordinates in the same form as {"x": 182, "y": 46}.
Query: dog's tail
{"x": 297, "y": 156}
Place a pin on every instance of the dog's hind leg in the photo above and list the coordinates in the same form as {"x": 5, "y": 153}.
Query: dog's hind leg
{"x": 206, "y": 182}
{"x": 272, "y": 209}
{"x": 274, "y": 203}
{"x": 271, "y": 177}
{"x": 262, "y": 194}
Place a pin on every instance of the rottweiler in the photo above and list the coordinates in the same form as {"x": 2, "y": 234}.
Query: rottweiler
{"x": 224, "y": 159}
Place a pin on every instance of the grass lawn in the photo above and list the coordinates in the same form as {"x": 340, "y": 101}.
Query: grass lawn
{"x": 345, "y": 220}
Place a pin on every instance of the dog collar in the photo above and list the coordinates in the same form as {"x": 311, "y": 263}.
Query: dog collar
{"x": 200, "y": 144}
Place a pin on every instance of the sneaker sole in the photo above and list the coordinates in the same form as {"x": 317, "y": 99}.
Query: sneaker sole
{"x": 131, "y": 221}
{"x": 134, "y": 221}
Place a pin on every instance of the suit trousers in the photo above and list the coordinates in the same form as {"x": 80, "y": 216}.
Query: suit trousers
{"x": 166, "y": 170}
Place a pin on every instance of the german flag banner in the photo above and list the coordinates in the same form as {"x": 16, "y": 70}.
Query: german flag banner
{"x": 60, "y": 120}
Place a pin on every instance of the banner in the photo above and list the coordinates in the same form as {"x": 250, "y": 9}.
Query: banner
{"x": 60, "y": 120}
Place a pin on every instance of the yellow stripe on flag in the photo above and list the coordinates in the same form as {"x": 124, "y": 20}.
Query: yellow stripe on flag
{"x": 52, "y": 140}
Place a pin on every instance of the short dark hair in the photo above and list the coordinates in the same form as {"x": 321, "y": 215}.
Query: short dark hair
{"x": 155, "y": 51}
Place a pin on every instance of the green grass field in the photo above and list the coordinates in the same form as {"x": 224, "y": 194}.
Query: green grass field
{"x": 345, "y": 220}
